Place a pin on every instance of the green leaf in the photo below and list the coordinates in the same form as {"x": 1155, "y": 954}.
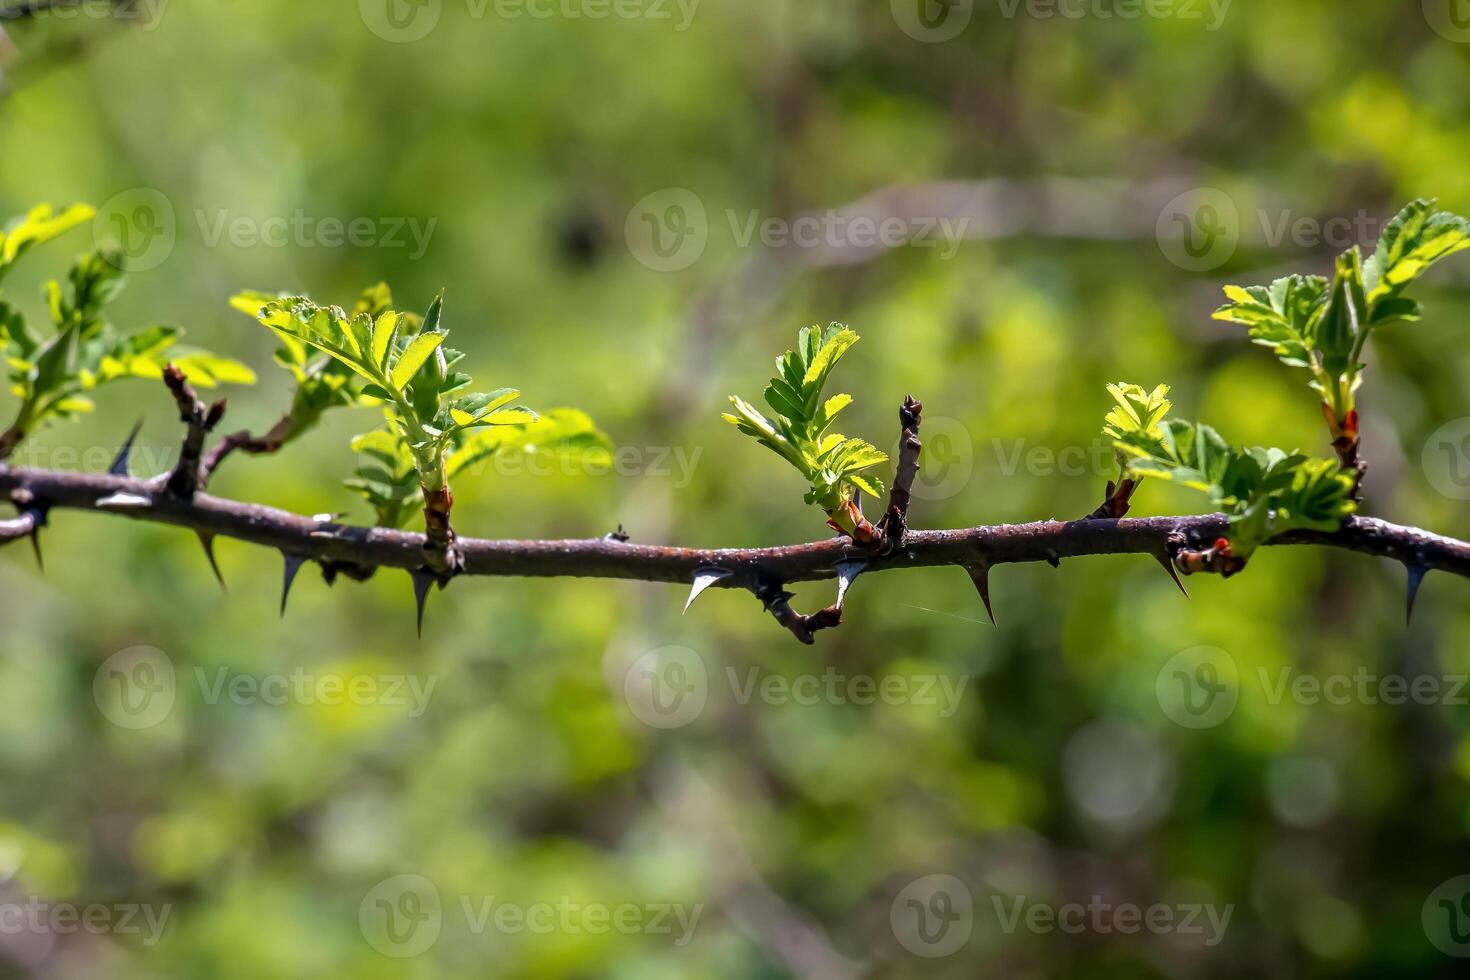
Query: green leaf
{"x": 1139, "y": 412}
{"x": 836, "y": 343}
{"x": 418, "y": 352}
{"x": 1416, "y": 238}
{"x": 39, "y": 226}
{"x": 1279, "y": 316}
{"x": 384, "y": 331}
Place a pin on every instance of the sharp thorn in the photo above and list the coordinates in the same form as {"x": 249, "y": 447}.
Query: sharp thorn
{"x": 207, "y": 540}
{"x": 120, "y": 465}
{"x": 423, "y": 581}
{"x": 1054, "y": 562}
{"x": 847, "y": 573}
{"x": 703, "y": 579}
{"x": 124, "y": 501}
{"x": 293, "y": 565}
{"x": 980, "y": 575}
{"x": 1168, "y": 564}
{"x": 36, "y": 546}
{"x": 1416, "y": 579}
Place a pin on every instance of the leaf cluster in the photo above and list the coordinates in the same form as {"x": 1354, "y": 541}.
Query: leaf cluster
{"x": 53, "y": 371}
{"x": 434, "y": 429}
{"x": 831, "y": 463}
{"x": 1264, "y": 492}
{"x": 1322, "y": 325}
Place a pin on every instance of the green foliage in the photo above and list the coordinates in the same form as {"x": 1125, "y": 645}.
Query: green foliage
{"x": 830, "y": 462}
{"x": 387, "y": 477}
{"x": 1264, "y": 492}
{"x": 1139, "y": 413}
{"x": 52, "y": 373}
{"x": 39, "y": 226}
{"x": 323, "y": 382}
{"x": 1323, "y": 327}
{"x": 433, "y": 429}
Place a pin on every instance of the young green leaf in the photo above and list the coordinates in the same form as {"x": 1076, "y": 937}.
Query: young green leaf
{"x": 831, "y": 464}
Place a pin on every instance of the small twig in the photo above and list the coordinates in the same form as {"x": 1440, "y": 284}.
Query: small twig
{"x": 245, "y": 442}
{"x": 778, "y": 603}
{"x": 894, "y": 524}
{"x": 187, "y": 477}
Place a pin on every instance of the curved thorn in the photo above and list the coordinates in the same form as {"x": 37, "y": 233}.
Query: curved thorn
{"x": 703, "y": 579}
{"x": 847, "y": 573}
{"x": 293, "y": 565}
{"x": 1416, "y": 579}
{"x": 206, "y": 538}
{"x": 1168, "y": 564}
{"x": 423, "y": 581}
{"x": 980, "y": 575}
{"x": 120, "y": 466}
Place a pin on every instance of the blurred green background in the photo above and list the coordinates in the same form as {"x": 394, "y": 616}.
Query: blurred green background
{"x": 602, "y": 189}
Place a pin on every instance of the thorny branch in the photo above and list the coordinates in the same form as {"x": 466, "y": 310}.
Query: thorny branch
{"x": 749, "y": 568}
{"x": 1176, "y": 542}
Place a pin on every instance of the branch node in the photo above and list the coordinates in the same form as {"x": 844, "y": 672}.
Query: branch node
{"x": 778, "y": 603}
{"x": 186, "y": 478}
